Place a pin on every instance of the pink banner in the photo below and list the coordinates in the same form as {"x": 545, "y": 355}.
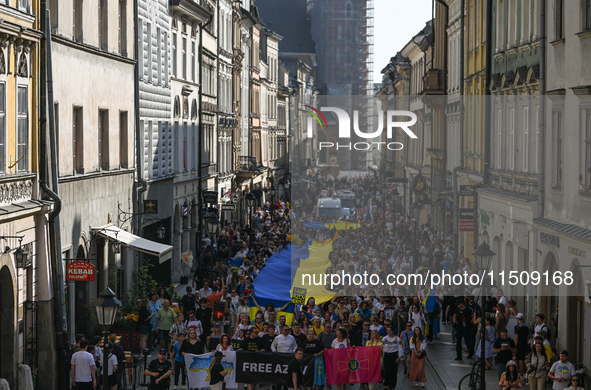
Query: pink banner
{"x": 353, "y": 365}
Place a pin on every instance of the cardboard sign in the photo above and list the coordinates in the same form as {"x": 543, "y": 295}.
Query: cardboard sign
{"x": 298, "y": 295}
{"x": 80, "y": 271}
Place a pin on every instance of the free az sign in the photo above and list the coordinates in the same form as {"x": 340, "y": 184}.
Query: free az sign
{"x": 80, "y": 271}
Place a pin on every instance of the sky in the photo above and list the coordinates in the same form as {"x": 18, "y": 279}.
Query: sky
{"x": 396, "y": 22}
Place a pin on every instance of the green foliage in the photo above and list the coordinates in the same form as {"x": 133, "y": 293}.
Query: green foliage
{"x": 141, "y": 286}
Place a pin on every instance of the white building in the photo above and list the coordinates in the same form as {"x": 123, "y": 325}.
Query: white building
{"x": 564, "y": 232}
{"x": 94, "y": 116}
{"x": 187, "y": 20}
{"x": 155, "y": 134}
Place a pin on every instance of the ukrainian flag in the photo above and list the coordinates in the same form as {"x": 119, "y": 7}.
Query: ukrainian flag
{"x": 285, "y": 271}
{"x": 429, "y": 304}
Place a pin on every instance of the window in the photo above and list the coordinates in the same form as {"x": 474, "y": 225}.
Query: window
{"x": 193, "y": 145}
{"x": 512, "y": 139}
{"x": 587, "y": 146}
{"x": 165, "y": 58}
{"x": 349, "y": 10}
{"x": 53, "y": 10}
{"x": 537, "y": 138}
{"x": 122, "y": 35}
{"x": 174, "y": 55}
{"x": 339, "y": 32}
{"x": 78, "y": 140}
{"x": 103, "y": 28}
{"x": 24, "y": 5}
{"x": 557, "y": 149}
{"x": 150, "y": 150}
{"x": 149, "y": 42}
{"x": 184, "y": 58}
{"x": 586, "y": 15}
{"x": 525, "y": 146}
{"x": 176, "y": 147}
{"x": 559, "y": 20}
{"x": 193, "y": 62}
{"x": 140, "y": 49}
{"x": 2, "y": 127}
{"x": 22, "y": 142}
{"x": 123, "y": 140}
{"x": 499, "y": 137}
{"x": 77, "y": 21}
{"x": 159, "y": 55}
{"x": 103, "y": 139}
{"x": 185, "y": 151}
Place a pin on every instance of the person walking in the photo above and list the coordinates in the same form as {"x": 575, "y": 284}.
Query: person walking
{"x": 313, "y": 346}
{"x": 504, "y": 348}
{"x": 111, "y": 365}
{"x": 375, "y": 341}
{"x": 405, "y": 337}
{"x": 178, "y": 362}
{"x": 393, "y": 352}
{"x": 417, "y": 362}
{"x": 284, "y": 343}
{"x": 341, "y": 341}
{"x": 463, "y": 325}
{"x": 294, "y": 369}
{"x": 538, "y": 368}
{"x": 164, "y": 322}
{"x": 153, "y": 307}
{"x": 159, "y": 370}
{"x": 510, "y": 379}
{"x": 521, "y": 341}
{"x": 561, "y": 372}
{"x": 511, "y": 316}
{"x": 83, "y": 368}
{"x": 489, "y": 341}
{"x": 217, "y": 371}
{"x": 144, "y": 325}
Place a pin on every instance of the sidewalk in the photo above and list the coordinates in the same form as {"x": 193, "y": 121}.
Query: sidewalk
{"x": 442, "y": 356}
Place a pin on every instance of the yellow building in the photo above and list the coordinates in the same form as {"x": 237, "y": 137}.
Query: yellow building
{"x": 25, "y": 289}
{"x": 474, "y": 90}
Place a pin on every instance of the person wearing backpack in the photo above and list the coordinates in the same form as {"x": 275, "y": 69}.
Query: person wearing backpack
{"x": 540, "y": 326}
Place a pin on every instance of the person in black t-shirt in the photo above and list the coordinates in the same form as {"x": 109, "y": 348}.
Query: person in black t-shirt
{"x": 297, "y": 334}
{"x": 252, "y": 341}
{"x": 267, "y": 339}
{"x": 188, "y": 302}
{"x": 463, "y": 323}
{"x": 312, "y": 346}
{"x": 205, "y": 315}
{"x": 521, "y": 342}
{"x": 295, "y": 369}
{"x": 217, "y": 372}
{"x": 504, "y": 348}
{"x": 159, "y": 370}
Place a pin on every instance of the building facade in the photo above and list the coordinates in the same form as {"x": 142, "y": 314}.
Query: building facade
{"x": 94, "y": 127}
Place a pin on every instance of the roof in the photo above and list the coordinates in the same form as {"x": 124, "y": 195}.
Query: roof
{"x": 567, "y": 228}
{"x": 23, "y": 209}
{"x": 288, "y": 18}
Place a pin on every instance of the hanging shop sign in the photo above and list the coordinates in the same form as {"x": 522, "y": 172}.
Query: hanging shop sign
{"x": 80, "y": 271}
{"x": 419, "y": 184}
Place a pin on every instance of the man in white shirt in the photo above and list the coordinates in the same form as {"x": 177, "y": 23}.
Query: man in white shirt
{"x": 284, "y": 343}
{"x": 561, "y": 372}
{"x": 205, "y": 291}
{"x": 83, "y": 368}
{"x": 502, "y": 297}
{"x": 540, "y": 326}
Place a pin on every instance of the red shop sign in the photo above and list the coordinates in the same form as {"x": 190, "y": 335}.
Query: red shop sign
{"x": 466, "y": 225}
{"x": 80, "y": 271}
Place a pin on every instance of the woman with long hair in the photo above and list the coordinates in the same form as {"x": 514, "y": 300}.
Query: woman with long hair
{"x": 501, "y": 319}
{"x": 417, "y": 360}
{"x": 153, "y": 306}
{"x": 375, "y": 341}
{"x": 417, "y": 318}
{"x": 305, "y": 324}
{"x": 144, "y": 326}
{"x": 510, "y": 379}
{"x": 225, "y": 344}
{"x": 192, "y": 344}
{"x": 342, "y": 341}
{"x": 217, "y": 372}
{"x": 511, "y": 316}
{"x": 489, "y": 341}
{"x": 574, "y": 383}
{"x": 393, "y": 352}
{"x": 537, "y": 370}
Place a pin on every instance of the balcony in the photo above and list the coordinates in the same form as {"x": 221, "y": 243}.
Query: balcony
{"x": 433, "y": 82}
{"x": 246, "y": 167}
{"x": 209, "y": 170}
{"x": 17, "y": 197}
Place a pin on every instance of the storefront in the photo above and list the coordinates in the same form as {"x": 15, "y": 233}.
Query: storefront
{"x": 565, "y": 253}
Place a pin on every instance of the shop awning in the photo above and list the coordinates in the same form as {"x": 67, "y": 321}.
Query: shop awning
{"x": 113, "y": 233}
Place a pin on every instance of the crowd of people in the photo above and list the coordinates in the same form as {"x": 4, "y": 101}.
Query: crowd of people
{"x": 214, "y": 314}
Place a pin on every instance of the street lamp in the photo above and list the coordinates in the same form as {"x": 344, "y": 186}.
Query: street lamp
{"x": 212, "y": 224}
{"x": 483, "y": 257}
{"x": 251, "y": 199}
{"x": 160, "y": 231}
{"x": 106, "y": 307}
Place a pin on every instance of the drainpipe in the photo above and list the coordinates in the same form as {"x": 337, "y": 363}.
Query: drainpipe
{"x": 487, "y": 100}
{"x": 456, "y": 210}
{"x": 57, "y": 272}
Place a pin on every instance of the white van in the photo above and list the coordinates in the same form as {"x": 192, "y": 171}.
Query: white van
{"x": 329, "y": 207}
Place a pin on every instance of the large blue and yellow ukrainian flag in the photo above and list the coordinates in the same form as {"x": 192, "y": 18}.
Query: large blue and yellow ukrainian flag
{"x": 339, "y": 225}
{"x": 285, "y": 271}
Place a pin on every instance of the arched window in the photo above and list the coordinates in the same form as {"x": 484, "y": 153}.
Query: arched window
{"x": 194, "y": 109}
{"x": 349, "y": 10}
{"x": 177, "y": 107}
